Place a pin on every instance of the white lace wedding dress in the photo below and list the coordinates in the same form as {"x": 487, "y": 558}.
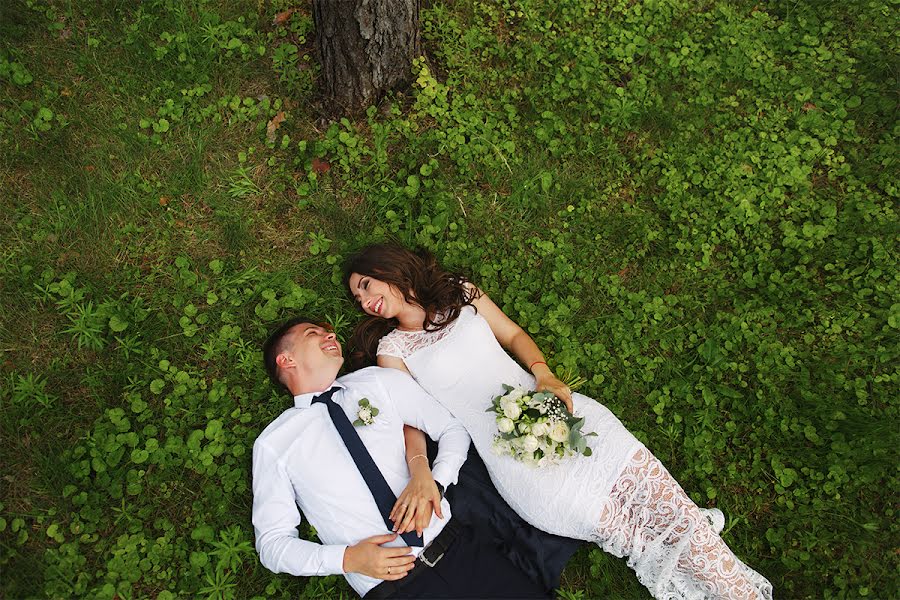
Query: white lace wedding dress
{"x": 621, "y": 497}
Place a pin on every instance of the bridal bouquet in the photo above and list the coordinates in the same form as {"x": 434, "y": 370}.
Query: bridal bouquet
{"x": 536, "y": 428}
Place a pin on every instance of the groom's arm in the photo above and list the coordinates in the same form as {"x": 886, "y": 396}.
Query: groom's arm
{"x": 275, "y": 520}
{"x": 418, "y": 409}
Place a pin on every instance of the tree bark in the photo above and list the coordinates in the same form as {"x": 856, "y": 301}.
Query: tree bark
{"x": 366, "y": 48}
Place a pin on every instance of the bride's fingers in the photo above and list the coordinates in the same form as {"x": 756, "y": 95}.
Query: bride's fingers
{"x": 559, "y": 390}
{"x": 410, "y": 518}
{"x": 403, "y": 523}
{"x": 415, "y": 508}
{"x": 403, "y": 510}
{"x": 565, "y": 394}
{"x": 399, "y": 507}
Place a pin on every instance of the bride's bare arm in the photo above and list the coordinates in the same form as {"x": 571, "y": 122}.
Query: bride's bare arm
{"x": 392, "y": 362}
{"x": 513, "y": 338}
{"x": 415, "y": 504}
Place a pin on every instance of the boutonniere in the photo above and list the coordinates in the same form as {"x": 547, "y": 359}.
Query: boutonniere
{"x": 366, "y": 413}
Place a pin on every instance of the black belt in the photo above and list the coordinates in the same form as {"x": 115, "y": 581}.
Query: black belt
{"x": 427, "y": 559}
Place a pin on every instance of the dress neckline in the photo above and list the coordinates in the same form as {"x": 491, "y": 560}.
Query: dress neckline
{"x": 424, "y": 331}
{"x": 408, "y": 330}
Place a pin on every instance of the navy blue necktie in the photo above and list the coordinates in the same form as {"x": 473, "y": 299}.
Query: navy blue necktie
{"x": 381, "y": 491}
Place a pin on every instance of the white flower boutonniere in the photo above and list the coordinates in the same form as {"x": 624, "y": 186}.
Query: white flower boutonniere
{"x": 366, "y": 413}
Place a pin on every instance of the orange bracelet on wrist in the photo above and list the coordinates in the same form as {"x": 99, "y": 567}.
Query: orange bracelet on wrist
{"x": 537, "y": 362}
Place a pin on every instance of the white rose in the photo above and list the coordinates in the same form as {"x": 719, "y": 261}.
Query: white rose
{"x": 529, "y": 443}
{"x": 539, "y": 429}
{"x": 559, "y": 432}
{"x": 524, "y": 428}
{"x": 513, "y": 395}
{"x": 364, "y": 414}
{"x": 502, "y": 447}
{"x": 505, "y": 425}
{"x": 512, "y": 410}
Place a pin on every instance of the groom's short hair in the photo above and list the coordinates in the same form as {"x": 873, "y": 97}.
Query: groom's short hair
{"x": 275, "y": 344}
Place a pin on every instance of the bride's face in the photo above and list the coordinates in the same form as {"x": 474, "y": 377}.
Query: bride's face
{"x": 376, "y": 297}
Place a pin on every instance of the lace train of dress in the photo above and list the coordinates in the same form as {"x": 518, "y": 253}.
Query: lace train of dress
{"x": 673, "y": 547}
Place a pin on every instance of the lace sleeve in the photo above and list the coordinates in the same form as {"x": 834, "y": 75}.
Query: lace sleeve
{"x": 389, "y": 346}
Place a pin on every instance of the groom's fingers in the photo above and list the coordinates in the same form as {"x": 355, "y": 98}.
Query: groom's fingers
{"x": 436, "y": 501}
{"x": 397, "y": 570}
{"x": 381, "y": 539}
{"x": 400, "y": 561}
{"x": 422, "y": 519}
{"x": 401, "y": 551}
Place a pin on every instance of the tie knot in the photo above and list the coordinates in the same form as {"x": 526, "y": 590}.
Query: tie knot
{"x": 325, "y": 396}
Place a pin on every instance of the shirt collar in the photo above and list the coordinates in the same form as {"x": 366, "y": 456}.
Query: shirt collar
{"x": 305, "y": 400}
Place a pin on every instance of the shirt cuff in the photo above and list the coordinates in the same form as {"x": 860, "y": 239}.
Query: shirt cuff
{"x": 442, "y": 473}
{"x": 333, "y": 559}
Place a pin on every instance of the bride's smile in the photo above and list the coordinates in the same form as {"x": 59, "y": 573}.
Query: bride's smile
{"x": 381, "y": 299}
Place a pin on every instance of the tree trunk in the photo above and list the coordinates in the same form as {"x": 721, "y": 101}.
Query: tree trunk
{"x": 366, "y": 48}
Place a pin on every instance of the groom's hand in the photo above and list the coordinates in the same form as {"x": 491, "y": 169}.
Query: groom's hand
{"x": 421, "y": 496}
{"x": 370, "y": 558}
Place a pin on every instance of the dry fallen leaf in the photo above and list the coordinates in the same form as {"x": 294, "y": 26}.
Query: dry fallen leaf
{"x": 809, "y": 106}
{"x": 273, "y": 126}
{"x": 320, "y": 166}
{"x": 89, "y": 168}
{"x": 163, "y": 200}
{"x": 283, "y": 17}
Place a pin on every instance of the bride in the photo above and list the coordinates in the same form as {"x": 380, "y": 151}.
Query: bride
{"x": 450, "y": 337}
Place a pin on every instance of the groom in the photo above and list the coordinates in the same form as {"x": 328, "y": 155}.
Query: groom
{"x": 340, "y": 455}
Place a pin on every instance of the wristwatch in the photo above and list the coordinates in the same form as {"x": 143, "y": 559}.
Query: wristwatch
{"x": 440, "y": 488}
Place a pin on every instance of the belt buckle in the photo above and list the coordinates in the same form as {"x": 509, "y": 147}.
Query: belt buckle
{"x": 430, "y": 563}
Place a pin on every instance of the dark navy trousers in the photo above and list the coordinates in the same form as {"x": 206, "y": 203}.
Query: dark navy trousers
{"x": 472, "y": 567}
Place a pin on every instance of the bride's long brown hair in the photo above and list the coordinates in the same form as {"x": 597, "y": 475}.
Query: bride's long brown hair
{"x": 421, "y": 280}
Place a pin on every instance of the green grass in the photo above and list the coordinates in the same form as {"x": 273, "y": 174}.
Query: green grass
{"x": 691, "y": 206}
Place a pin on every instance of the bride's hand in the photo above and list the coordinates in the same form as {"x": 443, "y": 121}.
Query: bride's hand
{"x": 547, "y": 382}
{"x": 414, "y": 506}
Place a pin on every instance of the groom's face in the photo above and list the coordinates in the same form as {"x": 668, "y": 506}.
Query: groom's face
{"x": 313, "y": 349}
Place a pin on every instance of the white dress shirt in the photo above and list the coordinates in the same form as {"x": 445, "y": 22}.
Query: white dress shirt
{"x": 300, "y": 459}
